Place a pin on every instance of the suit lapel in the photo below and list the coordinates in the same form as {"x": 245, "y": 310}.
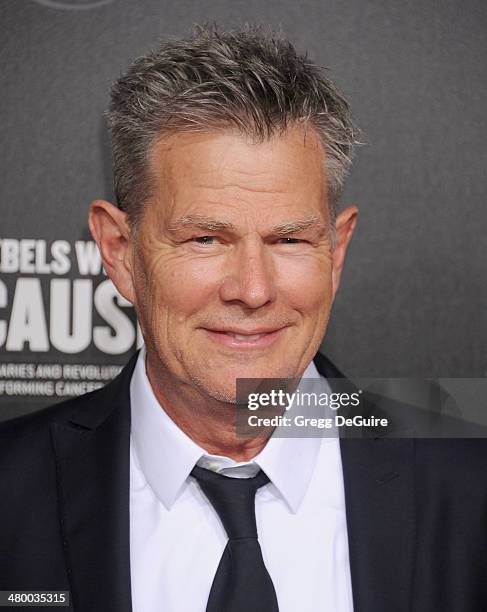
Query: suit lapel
{"x": 379, "y": 498}
{"x": 380, "y": 507}
{"x": 92, "y": 460}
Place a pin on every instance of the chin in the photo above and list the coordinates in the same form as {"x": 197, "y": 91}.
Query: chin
{"x": 224, "y": 388}
{"x": 255, "y": 368}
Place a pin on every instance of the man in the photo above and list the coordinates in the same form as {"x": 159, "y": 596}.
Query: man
{"x": 230, "y": 152}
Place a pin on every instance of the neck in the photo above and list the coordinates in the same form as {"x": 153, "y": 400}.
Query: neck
{"x": 210, "y": 423}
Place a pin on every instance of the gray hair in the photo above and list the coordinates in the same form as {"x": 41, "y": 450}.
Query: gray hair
{"x": 250, "y": 79}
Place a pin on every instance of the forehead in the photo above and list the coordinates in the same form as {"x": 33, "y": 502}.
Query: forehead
{"x": 197, "y": 170}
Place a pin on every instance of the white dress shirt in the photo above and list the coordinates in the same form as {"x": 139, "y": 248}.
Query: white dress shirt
{"x": 177, "y": 539}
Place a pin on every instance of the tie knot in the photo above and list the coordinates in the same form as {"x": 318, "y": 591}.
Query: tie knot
{"x": 233, "y": 499}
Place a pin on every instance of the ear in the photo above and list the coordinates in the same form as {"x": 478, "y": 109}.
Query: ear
{"x": 345, "y": 226}
{"x": 109, "y": 227}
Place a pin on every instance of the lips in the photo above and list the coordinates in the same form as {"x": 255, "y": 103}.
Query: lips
{"x": 245, "y": 339}
{"x": 245, "y": 336}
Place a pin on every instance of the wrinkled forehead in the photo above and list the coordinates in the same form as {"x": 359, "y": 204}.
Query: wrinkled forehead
{"x": 196, "y": 170}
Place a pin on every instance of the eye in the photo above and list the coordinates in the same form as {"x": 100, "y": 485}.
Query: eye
{"x": 290, "y": 241}
{"x": 204, "y": 240}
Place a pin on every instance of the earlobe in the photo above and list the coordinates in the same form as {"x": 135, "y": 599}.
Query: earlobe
{"x": 345, "y": 227}
{"x": 110, "y": 229}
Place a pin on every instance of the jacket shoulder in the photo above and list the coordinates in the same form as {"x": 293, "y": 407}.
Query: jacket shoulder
{"x": 86, "y": 411}
{"x": 26, "y": 445}
{"x": 42, "y": 419}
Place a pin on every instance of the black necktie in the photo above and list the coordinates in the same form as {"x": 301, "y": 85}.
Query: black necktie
{"x": 242, "y": 582}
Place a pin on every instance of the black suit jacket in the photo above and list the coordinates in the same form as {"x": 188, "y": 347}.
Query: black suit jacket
{"x": 416, "y": 510}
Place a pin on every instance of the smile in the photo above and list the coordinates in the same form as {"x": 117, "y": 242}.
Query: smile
{"x": 240, "y": 339}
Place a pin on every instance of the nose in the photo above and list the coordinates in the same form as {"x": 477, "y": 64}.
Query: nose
{"x": 249, "y": 277}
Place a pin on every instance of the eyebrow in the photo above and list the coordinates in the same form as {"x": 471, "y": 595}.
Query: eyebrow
{"x": 211, "y": 224}
{"x": 294, "y": 227}
{"x": 201, "y": 222}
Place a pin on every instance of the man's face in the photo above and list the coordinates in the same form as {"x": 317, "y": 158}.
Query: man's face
{"x": 232, "y": 265}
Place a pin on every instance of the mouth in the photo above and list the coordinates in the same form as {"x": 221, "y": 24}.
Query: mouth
{"x": 245, "y": 339}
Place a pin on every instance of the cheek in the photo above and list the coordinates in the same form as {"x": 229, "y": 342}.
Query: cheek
{"x": 307, "y": 284}
{"x": 177, "y": 288}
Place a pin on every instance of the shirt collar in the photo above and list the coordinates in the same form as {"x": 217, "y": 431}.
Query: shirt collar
{"x": 167, "y": 455}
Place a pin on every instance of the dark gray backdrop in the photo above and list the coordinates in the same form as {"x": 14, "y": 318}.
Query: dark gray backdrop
{"x": 414, "y": 295}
